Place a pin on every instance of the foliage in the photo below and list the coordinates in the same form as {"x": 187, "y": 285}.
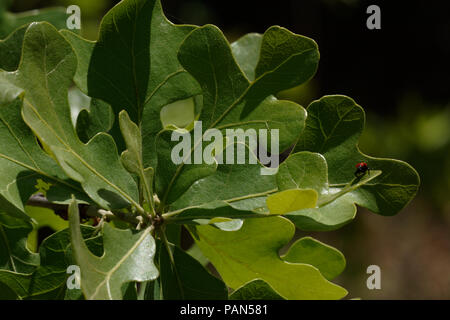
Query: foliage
{"x": 115, "y": 164}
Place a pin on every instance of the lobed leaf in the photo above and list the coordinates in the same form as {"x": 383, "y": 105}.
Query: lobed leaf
{"x": 230, "y": 100}
{"x": 42, "y": 81}
{"x": 233, "y": 191}
{"x": 128, "y": 256}
{"x": 333, "y": 128}
{"x": 137, "y": 39}
{"x": 132, "y": 157}
{"x": 334, "y": 205}
{"x": 252, "y": 253}
{"x": 329, "y": 261}
{"x": 22, "y": 161}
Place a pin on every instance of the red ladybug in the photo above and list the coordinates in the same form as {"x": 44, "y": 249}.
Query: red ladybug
{"x": 361, "y": 169}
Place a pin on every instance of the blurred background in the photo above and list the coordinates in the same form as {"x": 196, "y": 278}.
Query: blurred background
{"x": 400, "y": 76}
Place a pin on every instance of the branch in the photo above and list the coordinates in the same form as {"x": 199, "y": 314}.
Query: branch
{"x": 86, "y": 211}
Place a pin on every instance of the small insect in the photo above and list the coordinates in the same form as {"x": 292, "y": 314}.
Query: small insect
{"x": 361, "y": 169}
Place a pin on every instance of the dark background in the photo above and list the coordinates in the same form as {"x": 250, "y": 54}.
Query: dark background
{"x": 400, "y": 76}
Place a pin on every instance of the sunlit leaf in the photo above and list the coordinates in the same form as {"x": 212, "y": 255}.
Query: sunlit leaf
{"x": 252, "y": 253}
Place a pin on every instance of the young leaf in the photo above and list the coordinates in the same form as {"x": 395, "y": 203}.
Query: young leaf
{"x": 333, "y": 128}
{"x": 252, "y": 253}
{"x": 188, "y": 279}
{"x": 44, "y": 75}
{"x": 132, "y": 157}
{"x": 128, "y": 256}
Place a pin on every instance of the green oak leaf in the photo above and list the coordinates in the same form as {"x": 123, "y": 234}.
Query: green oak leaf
{"x": 328, "y": 260}
{"x": 48, "y": 280}
{"x": 132, "y": 157}
{"x": 205, "y": 53}
{"x": 255, "y": 290}
{"x": 252, "y": 253}
{"x": 23, "y": 163}
{"x": 42, "y": 81}
{"x": 335, "y": 206}
{"x": 14, "y": 254}
{"x": 333, "y": 128}
{"x": 231, "y": 100}
{"x": 94, "y": 241}
{"x": 233, "y": 191}
{"x": 173, "y": 178}
{"x": 137, "y": 39}
{"x": 187, "y": 278}
{"x": 307, "y": 250}
{"x": 128, "y": 256}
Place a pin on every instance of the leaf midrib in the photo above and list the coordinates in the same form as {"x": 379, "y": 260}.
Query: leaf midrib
{"x": 110, "y": 273}
{"x": 69, "y": 149}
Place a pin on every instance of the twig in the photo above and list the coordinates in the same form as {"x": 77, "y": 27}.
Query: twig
{"x": 86, "y": 211}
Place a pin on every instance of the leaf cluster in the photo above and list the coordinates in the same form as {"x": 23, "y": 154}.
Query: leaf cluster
{"x": 141, "y": 74}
